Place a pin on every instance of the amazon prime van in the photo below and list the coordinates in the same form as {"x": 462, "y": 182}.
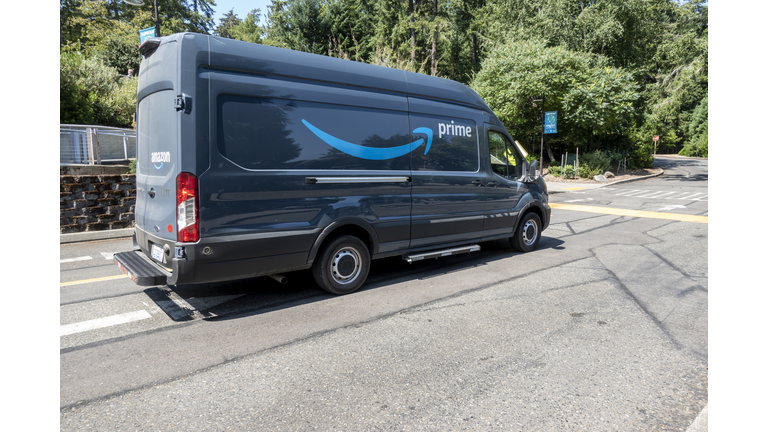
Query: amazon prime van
{"x": 254, "y": 160}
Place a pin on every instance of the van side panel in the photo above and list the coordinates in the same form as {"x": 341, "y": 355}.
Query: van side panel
{"x": 286, "y": 163}
{"x": 448, "y": 194}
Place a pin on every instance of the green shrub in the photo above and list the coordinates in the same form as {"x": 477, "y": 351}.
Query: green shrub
{"x": 132, "y": 167}
{"x": 569, "y": 172}
{"x": 554, "y": 170}
{"x": 598, "y": 162}
{"x": 594, "y": 163}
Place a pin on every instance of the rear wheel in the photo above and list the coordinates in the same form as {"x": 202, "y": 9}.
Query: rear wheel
{"x": 528, "y": 233}
{"x": 342, "y": 265}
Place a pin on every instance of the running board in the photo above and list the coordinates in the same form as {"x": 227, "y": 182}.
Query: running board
{"x": 441, "y": 253}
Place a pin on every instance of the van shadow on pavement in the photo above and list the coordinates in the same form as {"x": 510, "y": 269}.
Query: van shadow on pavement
{"x": 247, "y": 297}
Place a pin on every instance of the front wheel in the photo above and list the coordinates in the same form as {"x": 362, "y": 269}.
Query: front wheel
{"x": 528, "y": 233}
{"x": 342, "y": 265}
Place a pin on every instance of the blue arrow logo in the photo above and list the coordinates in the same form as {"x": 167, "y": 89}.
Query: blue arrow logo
{"x": 372, "y": 153}
{"x": 158, "y": 167}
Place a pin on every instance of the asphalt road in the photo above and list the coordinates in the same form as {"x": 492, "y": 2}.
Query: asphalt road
{"x": 603, "y": 327}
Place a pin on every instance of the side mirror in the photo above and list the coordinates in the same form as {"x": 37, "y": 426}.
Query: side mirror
{"x": 530, "y": 171}
{"x": 524, "y": 173}
{"x": 533, "y": 172}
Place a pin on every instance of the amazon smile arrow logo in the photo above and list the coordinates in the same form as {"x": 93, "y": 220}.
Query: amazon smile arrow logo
{"x": 372, "y": 153}
{"x": 161, "y": 157}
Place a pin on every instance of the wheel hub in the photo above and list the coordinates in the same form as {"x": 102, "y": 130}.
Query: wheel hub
{"x": 530, "y": 231}
{"x": 345, "y": 266}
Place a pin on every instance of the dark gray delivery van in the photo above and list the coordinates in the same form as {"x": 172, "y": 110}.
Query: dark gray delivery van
{"x": 254, "y": 160}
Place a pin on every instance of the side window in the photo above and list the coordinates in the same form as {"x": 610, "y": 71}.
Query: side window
{"x": 452, "y": 144}
{"x": 504, "y": 159}
{"x": 272, "y": 133}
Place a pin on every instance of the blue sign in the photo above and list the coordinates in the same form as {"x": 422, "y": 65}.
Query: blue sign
{"x": 146, "y": 33}
{"x": 550, "y": 122}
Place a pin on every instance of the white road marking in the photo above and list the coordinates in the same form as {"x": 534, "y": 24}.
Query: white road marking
{"x": 83, "y": 258}
{"x": 638, "y": 192}
{"x": 627, "y": 191}
{"x": 691, "y": 196}
{"x": 109, "y": 256}
{"x": 654, "y": 193}
{"x": 672, "y": 207}
{"x": 678, "y": 196}
{"x": 103, "y": 322}
{"x": 177, "y": 307}
{"x": 577, "y": 200}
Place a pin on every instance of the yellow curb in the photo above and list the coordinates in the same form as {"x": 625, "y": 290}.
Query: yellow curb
{"x": 92, "y": 280}
{"x": 631, "y": 213}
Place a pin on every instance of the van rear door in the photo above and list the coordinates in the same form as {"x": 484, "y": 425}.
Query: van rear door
{"x": 157, "y": 151}
{"x": 156, "y": 167}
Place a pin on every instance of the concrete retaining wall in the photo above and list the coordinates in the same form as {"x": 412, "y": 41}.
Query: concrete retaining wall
{"x": 96, "y": 202}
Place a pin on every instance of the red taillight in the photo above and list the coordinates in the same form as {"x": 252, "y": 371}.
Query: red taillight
{"x": 187, "y": 208}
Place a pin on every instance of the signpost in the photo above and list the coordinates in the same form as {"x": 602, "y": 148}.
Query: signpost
{"x": 655, "y": 140}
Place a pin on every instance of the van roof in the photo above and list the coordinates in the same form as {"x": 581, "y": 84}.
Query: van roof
{"x": 250, "y": 57}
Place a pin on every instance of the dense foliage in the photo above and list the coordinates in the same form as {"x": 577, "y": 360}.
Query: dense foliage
{"x": 617, "y": 71}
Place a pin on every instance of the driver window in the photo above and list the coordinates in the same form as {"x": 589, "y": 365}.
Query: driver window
{"x": 504, "y": 160}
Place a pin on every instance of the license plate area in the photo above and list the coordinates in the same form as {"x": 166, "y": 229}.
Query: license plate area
{"x": 157, "y": 252}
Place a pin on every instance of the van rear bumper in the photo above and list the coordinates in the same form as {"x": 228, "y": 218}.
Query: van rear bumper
{"x": 193, "y": 266}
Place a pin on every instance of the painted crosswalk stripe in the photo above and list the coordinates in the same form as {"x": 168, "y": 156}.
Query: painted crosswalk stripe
{"x": 691, "y": 196}
{"x": 626, "y": 192}
{"x": 634, "y": 193}
{"x": 103, "y": 322}
{"x": 662, "y": 193}
{"x": 68, "y": 260}
{"x": 677, "y": 196}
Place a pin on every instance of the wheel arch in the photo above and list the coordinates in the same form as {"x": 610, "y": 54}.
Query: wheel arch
{"x": 536, "y": 208}
{"x": 354, "y": 227}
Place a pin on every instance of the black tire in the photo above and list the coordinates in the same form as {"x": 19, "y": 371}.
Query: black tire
{"x": 342, "y": 265}
{"x": 528, "y": 233}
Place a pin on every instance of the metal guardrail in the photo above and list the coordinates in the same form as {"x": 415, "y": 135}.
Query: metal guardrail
{"x": 93, "y": 145}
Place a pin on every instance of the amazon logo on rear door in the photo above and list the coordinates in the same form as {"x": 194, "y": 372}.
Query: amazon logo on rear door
{"x": 161, "y": 158}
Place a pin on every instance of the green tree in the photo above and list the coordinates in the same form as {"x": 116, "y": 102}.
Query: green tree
{"x": 226, "y": 24}
{"x": 121, "y": 53}
{"x": 91, "y": 92}
{"x": 593, "y": 100}
{"x": 248, "y": 29}
{"x": 91, "y": 22}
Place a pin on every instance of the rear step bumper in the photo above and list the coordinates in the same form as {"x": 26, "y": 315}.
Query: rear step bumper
{"x": 441, "y": 253}
{"x": 141, "y": 270}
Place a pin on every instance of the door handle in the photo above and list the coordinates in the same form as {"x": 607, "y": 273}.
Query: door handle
{"x": 151, "y": 193}
{"x": 477, "y": 182}
{"x": 492, "y": 184}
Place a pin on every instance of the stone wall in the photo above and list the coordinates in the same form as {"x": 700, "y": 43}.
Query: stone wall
{"x": 96, "y": 202}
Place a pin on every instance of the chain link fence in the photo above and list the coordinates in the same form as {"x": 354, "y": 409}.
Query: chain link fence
{"x": 94, "y": 145}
